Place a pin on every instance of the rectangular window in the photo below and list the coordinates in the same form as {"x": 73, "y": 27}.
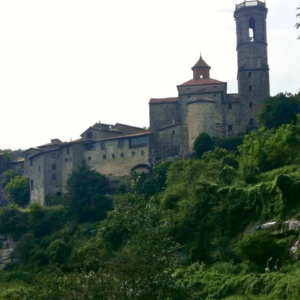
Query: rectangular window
{"x": 104, "y": 157}
{"x": 250, "y": 104}
{"x": 138, "y": 141}
{"x": 122, "y": 154}
{"x": 250, "y": 88}
{"x": 53, "y": 166}
{"x": 91, "y": 146}
{"x": 229, "y": 106}
{"x": 103, "y": 146}
{"x": 53, "y": 177}
{"x": 31, "y": 184}
{"x": 121, "y": 143}
{"x": 251, "y": 122}
{"x": 230, "y": 128}
{"x": 249, "y": 74}
{"x": 113, "y": 156}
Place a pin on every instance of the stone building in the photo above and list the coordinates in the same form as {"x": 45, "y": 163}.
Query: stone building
{"x": 112, "y": 150}
{"x": 203, "y": 104}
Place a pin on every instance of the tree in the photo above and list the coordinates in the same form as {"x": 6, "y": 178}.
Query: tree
{"x": 86, "y": 191}
{"x": 278, "y": 110}
{"x": 18, "y": 190}
{"x": 9, "y": 175}
{"x": 203, "y": 143}
{"x": 298, "y": 24}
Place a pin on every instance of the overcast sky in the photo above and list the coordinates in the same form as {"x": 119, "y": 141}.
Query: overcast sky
{"x": 67, "y": 64}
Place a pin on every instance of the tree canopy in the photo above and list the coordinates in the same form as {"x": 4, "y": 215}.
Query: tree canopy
{"x": 278, "y": 110}
{"x": 18, "y": 190}
{"x": 203, "y": 143}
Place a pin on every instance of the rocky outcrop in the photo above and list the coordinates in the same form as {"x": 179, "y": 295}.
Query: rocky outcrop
{"x": 7, "y": 254}
{"x": 3, "y": 196}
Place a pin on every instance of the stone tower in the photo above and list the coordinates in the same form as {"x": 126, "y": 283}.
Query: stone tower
{"x": 253, "y": 69}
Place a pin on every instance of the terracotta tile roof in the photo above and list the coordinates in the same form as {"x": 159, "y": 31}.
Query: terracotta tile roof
{"x": 201, "y": 63}
{"x": 232, "y": 98}
{"x": 163, "y": 100}
{"x": 202, "y": 81}
{"x": 20, "y": 159}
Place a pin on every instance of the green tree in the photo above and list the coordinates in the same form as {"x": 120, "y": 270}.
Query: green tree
{"x": 6, "y": 160}
{"x": 18, "y": 190}
{"x": 203, "y": 143}
{"x": 9, "y": 175}
{"x": 298, "y": 24}
{"x": 278, "y": 110}
{"x": 86, "y": 191}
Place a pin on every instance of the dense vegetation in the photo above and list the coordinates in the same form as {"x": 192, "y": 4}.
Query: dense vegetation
{"x": 185, "y": 231}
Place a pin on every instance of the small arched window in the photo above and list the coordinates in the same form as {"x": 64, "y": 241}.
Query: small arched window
{"x": 252, "y": 29}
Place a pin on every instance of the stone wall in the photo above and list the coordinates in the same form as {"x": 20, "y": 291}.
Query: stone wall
{"x": 115, "y": 159}
{"x": 7, "y": 254}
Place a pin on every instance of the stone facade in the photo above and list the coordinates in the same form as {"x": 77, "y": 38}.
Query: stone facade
{"x": 112, "y": 150}
{"x": 203, "y": 104}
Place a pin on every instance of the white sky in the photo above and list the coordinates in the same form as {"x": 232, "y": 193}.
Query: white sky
{"x": 67, "y": 64}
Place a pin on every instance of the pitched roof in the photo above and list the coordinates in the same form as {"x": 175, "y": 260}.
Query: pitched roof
{"x": 19, "y": 159}
{"x": 202, "y": 81}
{"x": 163, "y": 100}
{"x": 201, "y": 64}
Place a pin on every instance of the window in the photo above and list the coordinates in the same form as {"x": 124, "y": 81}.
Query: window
{"x": 104, "y": 156}
{"x": 142, "y": 152}
{"x": 90, "y": 147}
{"x": 69, "y": 175}
{"x": 122, "y": 154}
{"x": 138, "y": 141}
{"x": 229, "y": 106}
{"x": 251, "y": 29}
{"x": 31, "y": 184}
{"x": 53, "y": 167}
{"x": 173, "y": 132}
{"x": 250, "y": 88}
{"x": 113, "y": 156}
{"x": 230, "y": 128}
{"x": 89, "y": 158}
{"x": 120, "y": 143}
{"x": 53, "y": 177}
{"x": 70, "y": 158}
{"x": 251, "y": 122}
{"x": 249, "y": 74}
{"x": 250, "y": 104}
{"x": 103, "y": 146}
{"x": 133, "y": 154}
{"x": 66, "y": 160}
{"x": 89, "y": 135}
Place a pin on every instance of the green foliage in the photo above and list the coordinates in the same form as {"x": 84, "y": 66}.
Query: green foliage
{"x": 203, "y": 143}
{"x": 86, "y": 191}
{"x": 9, "y": 175}
{"x": 13, "y": 221}
{"x": 230, "y": 143}
{"x": 18, "y": 190}
{"x": 269, "y": 149}
{"x": 59, "y": 251}
{"x": 278, "y": 110}
{"x": 6, "y": 160}
{"x": 258, "y": 247}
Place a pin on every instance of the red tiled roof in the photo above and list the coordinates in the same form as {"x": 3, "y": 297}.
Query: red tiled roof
{"x": 232, "y": 97}
{"x": 201, "y": 63}
{"x": 202, "y": 81}
{"x": 163, "y": 100}
{"x": 20, "y": 159}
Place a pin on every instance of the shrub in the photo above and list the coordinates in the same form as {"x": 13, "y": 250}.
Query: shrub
{"x": 203, "y": 143}
{"x": 18, "y": 190}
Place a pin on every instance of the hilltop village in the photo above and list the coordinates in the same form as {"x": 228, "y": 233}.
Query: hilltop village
{"x": 202, "y": 105}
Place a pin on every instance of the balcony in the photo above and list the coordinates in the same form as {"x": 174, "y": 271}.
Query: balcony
{"x": 250, "y": 3}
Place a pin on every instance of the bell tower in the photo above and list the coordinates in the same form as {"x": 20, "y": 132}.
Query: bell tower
{"x": 253, "y": 68}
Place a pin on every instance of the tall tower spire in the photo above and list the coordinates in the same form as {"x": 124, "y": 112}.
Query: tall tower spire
{"x": 253, "y": 68}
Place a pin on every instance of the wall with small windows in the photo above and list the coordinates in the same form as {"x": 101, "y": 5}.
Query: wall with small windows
{"x": 34, "y": 170}
{"x": 118, "y": 156}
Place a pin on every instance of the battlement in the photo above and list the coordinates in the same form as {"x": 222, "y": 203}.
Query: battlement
{"x": 250, "y": 3}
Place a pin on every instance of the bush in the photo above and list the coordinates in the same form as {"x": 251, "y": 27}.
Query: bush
{"x": 18, "y": 190}
{"x": 258, "y": 247}
{"x": 203, "y": 143}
